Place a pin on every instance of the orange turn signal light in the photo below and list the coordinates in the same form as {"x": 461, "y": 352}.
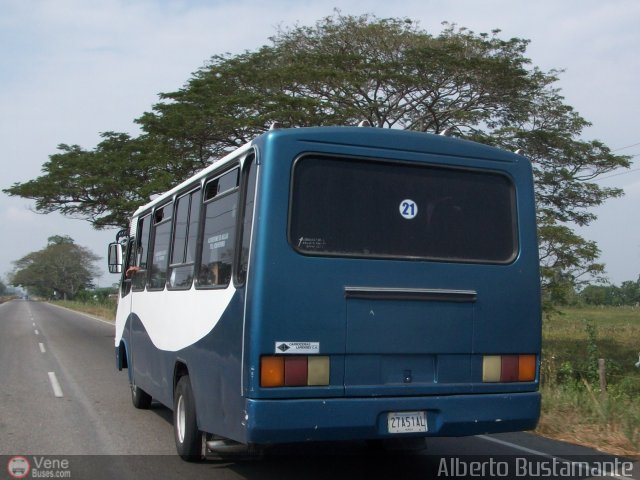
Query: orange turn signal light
{"x": 527, "y": 368}
{"x": 272, "y": 372}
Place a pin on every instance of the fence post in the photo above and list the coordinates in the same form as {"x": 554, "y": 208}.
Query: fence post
{"x": 603, "y": 379}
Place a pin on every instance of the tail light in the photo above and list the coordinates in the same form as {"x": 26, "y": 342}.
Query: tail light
{"x": 272, "y": 372}
{"x": 508, "y": 368}
{"x": 294, "y": 371}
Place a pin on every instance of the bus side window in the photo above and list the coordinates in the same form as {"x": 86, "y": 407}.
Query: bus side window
{"x": 130, "y": 262}
{"x": 219, "y": 230}
{"x": 184, "y": 240}
{"x": 139, "y": 278}
{"x": 249, "y": 196}
{"x": 160, "y": 253}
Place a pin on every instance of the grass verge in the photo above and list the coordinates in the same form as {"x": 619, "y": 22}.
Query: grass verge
{"x": 574, "y": 408}
{"x": 106, "y": 311}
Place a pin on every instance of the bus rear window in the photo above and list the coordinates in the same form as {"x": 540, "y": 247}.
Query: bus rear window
{"x": 361, "y": 208}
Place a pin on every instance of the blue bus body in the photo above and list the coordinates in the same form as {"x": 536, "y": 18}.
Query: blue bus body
{"x": 405, "y": 339}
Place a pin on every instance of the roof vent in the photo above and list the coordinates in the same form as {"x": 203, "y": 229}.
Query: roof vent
{"x": 274, "y": 126}
{"x": 446, "y": 132}
{"x": 519, "y": 151}
{"x": 364, "y": 123}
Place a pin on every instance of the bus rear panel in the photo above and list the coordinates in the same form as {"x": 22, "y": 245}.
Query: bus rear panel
{"x": 394, "y": 290}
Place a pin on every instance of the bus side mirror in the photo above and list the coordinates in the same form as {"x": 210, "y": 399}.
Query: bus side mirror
{"x": 115, "y": 258}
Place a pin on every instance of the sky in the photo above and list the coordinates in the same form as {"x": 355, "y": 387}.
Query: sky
{"x": 71, "y": 69}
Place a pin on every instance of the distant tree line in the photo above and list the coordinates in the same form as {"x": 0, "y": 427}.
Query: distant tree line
{"x": 625, "y": 294}
{"x": 98, "y": 296}
{"x": 6, "y": 290}
{"x": 628, "y": 293}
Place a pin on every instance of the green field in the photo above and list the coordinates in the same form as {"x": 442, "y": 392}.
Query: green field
{"x": 574, "y": 406}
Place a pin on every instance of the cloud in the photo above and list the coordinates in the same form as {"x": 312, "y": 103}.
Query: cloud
{"x": 17, "y": 217}
{"x": 632, "y": 192}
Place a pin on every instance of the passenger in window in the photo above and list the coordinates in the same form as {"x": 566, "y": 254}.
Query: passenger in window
{"x": 131, "y": 271}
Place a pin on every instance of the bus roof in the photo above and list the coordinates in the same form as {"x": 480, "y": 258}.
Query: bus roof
{"x": 378, "y": 138}
{"x": 202, "y": 173}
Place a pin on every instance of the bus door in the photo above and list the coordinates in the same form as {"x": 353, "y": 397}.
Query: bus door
{"x": 138, "y": 281}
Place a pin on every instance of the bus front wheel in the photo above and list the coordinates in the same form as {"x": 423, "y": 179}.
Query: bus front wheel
{"x": 188, "y": 437}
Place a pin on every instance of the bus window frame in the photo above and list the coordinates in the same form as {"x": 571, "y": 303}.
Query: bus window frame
{"x": 237, "y": 164}
{"x": 152, "y": 240}
{"x": 126, "y": 282}
{"x": 515, "y": 231}
{"x": 142, "y": 272}
{"x": 190, "y": 191}
{"x": 250, "y": 161}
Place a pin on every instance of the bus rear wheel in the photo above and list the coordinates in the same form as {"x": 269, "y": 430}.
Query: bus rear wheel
{"x": 188, "y": 438}
{"x": 140, "y": 398}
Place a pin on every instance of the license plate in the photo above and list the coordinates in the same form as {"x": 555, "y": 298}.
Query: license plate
{"x": 407, "y": 422}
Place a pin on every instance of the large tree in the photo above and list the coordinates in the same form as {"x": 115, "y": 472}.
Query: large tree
{"x": 62, "y": 269}
{"x": 342, "y": 70}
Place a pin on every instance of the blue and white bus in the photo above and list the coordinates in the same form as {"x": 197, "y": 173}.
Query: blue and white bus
{"x": 336, "y": 283}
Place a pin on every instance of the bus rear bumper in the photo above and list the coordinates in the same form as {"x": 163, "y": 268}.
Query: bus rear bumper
{"x": 280, "y": 421}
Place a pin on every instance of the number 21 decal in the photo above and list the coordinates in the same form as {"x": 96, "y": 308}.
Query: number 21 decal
{"x": 408, "y": 209}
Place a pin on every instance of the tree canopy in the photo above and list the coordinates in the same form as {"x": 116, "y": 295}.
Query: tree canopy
{"x": 62, "y": 269}
{"x": 340, "y": 71}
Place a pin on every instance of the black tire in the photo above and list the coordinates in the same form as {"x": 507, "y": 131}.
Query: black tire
{"x": 188, "y": 438}
{"x": 140, "y": 398}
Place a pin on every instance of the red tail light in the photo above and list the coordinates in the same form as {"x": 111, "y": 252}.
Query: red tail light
{"x": 295, "y": 371}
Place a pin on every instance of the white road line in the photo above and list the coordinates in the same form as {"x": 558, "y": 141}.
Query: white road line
{"x": 34, "y": 324}
{"x": 42, "y": 349}
{"x": 37, "y": 332}
{"x": 541, "y": 454}
{"x": 57, "y": 391}
{"x": 516, "y": 446}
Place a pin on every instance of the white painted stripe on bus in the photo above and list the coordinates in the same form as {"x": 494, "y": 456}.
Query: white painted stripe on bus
{"x": 541, "y": 454}
{"x": 42, "y": 349}
{"x": 57, "y": 391}
{"x": 158, "y": 313}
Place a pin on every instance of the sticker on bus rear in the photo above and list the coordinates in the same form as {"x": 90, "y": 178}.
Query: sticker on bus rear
{"x": 408, "y": 209}
{"x": 298, "y": 348}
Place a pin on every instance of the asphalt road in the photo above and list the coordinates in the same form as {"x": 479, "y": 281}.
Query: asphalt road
{"x": 66, "y": 410}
